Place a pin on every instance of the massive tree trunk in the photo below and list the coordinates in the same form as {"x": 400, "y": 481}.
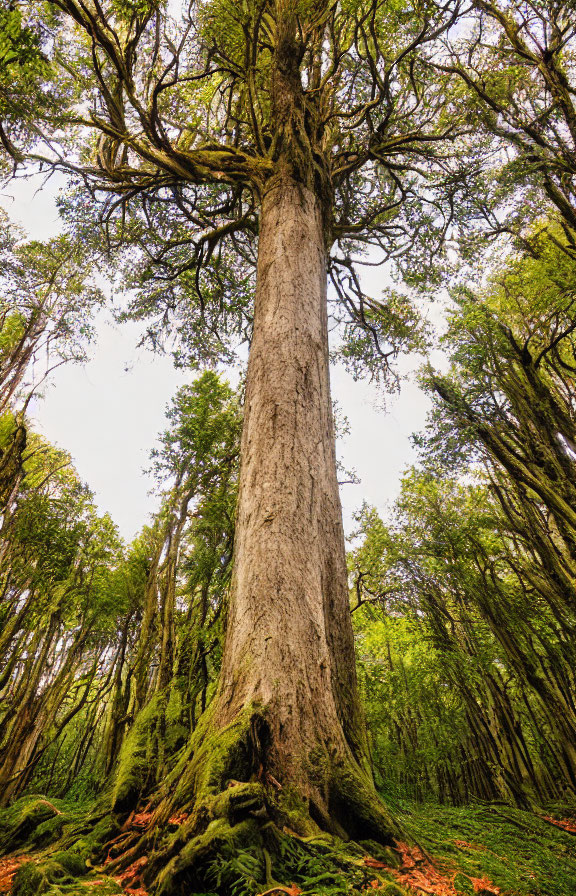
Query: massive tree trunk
{"x": 287, "y": 710}
{"x": 289, "y": 645}
{"x": 283, "y": 740}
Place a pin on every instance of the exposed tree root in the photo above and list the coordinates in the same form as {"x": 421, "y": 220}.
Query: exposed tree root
{"x": 222, "y": 802}
{"x": 240, "y": 850}
{"x": 222, "y": 818}
{"x": 223, "y": 823}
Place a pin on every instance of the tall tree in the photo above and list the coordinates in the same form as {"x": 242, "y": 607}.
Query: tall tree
{"x": 300, "y": 122}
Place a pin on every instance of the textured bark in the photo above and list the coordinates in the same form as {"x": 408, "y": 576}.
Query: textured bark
{"x": 282, "y": 746}
{"x": 289, "y": 645}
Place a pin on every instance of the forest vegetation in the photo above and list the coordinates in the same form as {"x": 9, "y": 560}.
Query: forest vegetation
{"x": 234, "y": 703}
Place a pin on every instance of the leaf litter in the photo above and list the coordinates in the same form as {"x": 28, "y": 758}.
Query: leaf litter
{"x": 418, "y": 873}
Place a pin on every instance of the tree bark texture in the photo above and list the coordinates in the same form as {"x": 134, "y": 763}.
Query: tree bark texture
{"x": 289, "y": 644}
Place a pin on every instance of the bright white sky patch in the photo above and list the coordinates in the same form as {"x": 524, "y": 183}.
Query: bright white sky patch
{"x": 108, "y": 412}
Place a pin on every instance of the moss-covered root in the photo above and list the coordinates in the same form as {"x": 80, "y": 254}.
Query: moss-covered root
{"x": 222, "y": 827}
{"x": 247, "y": 833}
{"x": 61, "y": 870}
{"x": 250, "y": 857}
{"x": 355, "y": 805}
{"x": 222, "y": 855}
{"x": 30, "y": 822}
{"x": 233, "y": 803}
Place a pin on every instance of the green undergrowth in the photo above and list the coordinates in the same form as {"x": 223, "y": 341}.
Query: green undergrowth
{"x": 518, "y": 851}
{"x": 317, "y": 866}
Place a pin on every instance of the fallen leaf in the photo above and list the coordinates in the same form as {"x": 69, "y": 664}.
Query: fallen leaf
{"x": 8, "y": 868}
{"x": 179, "y": 819}
{"x": 485, "y": 885}
{"x": 374, "y": 863}
{"x": 463, "y": 844}
{"x": 141, "y": 819}
{"x": 566, "y": 824}
{"x": 418, "y": 873}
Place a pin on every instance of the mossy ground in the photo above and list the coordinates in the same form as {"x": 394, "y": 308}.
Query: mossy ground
{"x": 519, "y": 853}
{"x": 48, "y": 846}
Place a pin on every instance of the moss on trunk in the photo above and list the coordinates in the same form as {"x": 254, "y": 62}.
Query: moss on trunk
{"x": 220, "y": 808}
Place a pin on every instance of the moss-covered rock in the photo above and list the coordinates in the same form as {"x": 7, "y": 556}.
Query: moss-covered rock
{"x": 49, "y": 831}
{"x": 58, "y": 874}
{"x": 30, "y": 821}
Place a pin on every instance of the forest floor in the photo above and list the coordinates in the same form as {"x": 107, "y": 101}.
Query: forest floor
{"x": 519, "y": 853}
{"x": 487, "y": 850}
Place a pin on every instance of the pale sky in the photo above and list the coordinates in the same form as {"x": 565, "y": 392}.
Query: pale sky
{"x": 107, "y": 413}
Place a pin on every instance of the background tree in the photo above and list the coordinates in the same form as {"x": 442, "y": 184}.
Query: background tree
{"x": 46, "y": 301}
{"x": 486, "y": 569}
{"x": 190, "y": 550}
{"x": 465, "y": 672}
{"x": 57, "y": 556}
{"x": 510, "y": 73}
{"x": 24, "y": 72}
{"x": 93, "y": 634}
